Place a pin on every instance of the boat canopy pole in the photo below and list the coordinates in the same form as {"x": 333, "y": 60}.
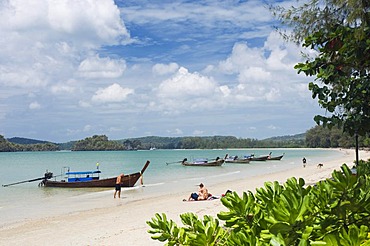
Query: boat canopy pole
{"x": 48, "y": 175}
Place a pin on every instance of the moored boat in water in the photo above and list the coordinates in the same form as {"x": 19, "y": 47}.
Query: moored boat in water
{"x": 236, "y": 159}
{"x": 91, "y": 179}
{"x": 257, "y": 158}
{"x": 204, "y": 162}
{"x": 275, "y": 158}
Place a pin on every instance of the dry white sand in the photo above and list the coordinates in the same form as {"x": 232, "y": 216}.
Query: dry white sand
{"x": 124, "y": 223}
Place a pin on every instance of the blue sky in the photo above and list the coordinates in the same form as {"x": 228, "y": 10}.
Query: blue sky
{"x": 73, "y": 69}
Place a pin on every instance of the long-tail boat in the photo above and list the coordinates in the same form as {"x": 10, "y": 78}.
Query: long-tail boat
{"x": 275, "y": 158}
{"x": 91, "y": 179}
{"x": 204, "y": 162}
{"x": 258, "y": 158}
{"x": 236, "y": 159}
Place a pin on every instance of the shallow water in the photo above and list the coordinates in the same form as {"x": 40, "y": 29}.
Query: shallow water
{"x": 28, "y": 201}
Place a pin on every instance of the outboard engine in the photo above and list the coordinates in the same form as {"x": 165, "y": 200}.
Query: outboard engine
{"x": 48, "y": 175}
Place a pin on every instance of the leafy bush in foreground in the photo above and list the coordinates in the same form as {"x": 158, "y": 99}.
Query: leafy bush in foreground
{"x": 334, "y": 212}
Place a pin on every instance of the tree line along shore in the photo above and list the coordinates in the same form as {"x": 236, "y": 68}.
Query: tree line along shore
{"x": 316, "y": 137}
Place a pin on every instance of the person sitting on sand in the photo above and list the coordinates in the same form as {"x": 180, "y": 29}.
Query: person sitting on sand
{"x": 203, "y": 192}
{"x": 201, "y": 195}
{"x": 118, "y": 185}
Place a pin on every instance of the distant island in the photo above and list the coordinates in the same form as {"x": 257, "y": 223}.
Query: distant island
{"x": 313, "y": 138}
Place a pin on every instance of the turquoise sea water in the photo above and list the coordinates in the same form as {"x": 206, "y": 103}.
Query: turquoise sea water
{"x": 27, "y": 200}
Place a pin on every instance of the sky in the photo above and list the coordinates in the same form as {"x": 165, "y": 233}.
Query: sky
{"x": 71, "y": 69}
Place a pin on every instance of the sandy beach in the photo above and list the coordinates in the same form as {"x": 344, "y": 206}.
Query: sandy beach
{"x": 124, "y": 223}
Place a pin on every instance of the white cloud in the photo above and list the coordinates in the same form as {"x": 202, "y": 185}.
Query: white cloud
{"x": 273, "y": 95}
{"x": 43, "y": 40}
{"x": 34, "y": 105}
{"x": 84, "y": 104}
{"x": 184, "y": 84}
{"x": 176, "y": 131}
{"x": 27, "y": 78}
{"x": 87, "y": 128}
{"x": 115, "y": 129}
{"x": 272, "y": 127}
{"x": 83, "y": 20}
{"x": 198, "y": 132}
{"x": 253, "y": 75}
{"x": 62, "y": 51}
{"x": 209, "y": 69}
{"x": 97, "y": 67}
{"x": 187, "y": 91}
{"x": 112, "y": 93}
{"x": 264, "y": 73}
{"x": 225, "y": 90}
{"x": 62, "y": 88}
{"x": 162, "y": 69}
{"x": 209, "y": 14}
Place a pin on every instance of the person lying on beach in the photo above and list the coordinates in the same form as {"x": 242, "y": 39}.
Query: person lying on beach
{"x": 201, "y": 195}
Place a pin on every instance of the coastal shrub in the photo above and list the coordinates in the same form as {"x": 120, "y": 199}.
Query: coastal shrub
{"x": 335, "y": 211}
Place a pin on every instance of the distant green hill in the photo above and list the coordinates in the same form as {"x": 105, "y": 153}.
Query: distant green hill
{"x": 211, "y": 142}
{"x": 18, "y": 140}
{"x": 153, "y": 142}
{"x": 67, "y": 145}
{"x": 301, "y": 136}
{"x": 297, "y": 140}
{"x": 313, "y": 138}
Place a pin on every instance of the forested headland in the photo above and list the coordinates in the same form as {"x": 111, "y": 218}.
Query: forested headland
{"x": 317, "y": 137}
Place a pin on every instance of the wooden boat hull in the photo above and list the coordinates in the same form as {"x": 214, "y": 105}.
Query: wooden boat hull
{"x": 238, "y": 161}
{"x": 260, "y": 158}
{"x": 276, "y": 158}
{"x": 128, "y": 180}
{"x": 206, "y": 164}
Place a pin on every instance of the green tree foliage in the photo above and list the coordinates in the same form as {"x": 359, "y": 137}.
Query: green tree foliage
{"x": 220, "y": 142}
{"x": 317, "y": 137}
{"x": 18, "y": 140}
{"x": 6, "y": 146}
{"x": 339, "y": 31}
{"x": 313, "y": 138}
{"x": 320, "y": 137}
{"x": 132, "y": 144}
{"x": 97, "y": 143}
{"x": 40, "y": 147}
{"x": 333, "y": 212}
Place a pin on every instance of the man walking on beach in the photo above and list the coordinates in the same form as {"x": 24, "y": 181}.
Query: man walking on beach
{"x": 118, "y": 185}
{"x": 304, "y": 161}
